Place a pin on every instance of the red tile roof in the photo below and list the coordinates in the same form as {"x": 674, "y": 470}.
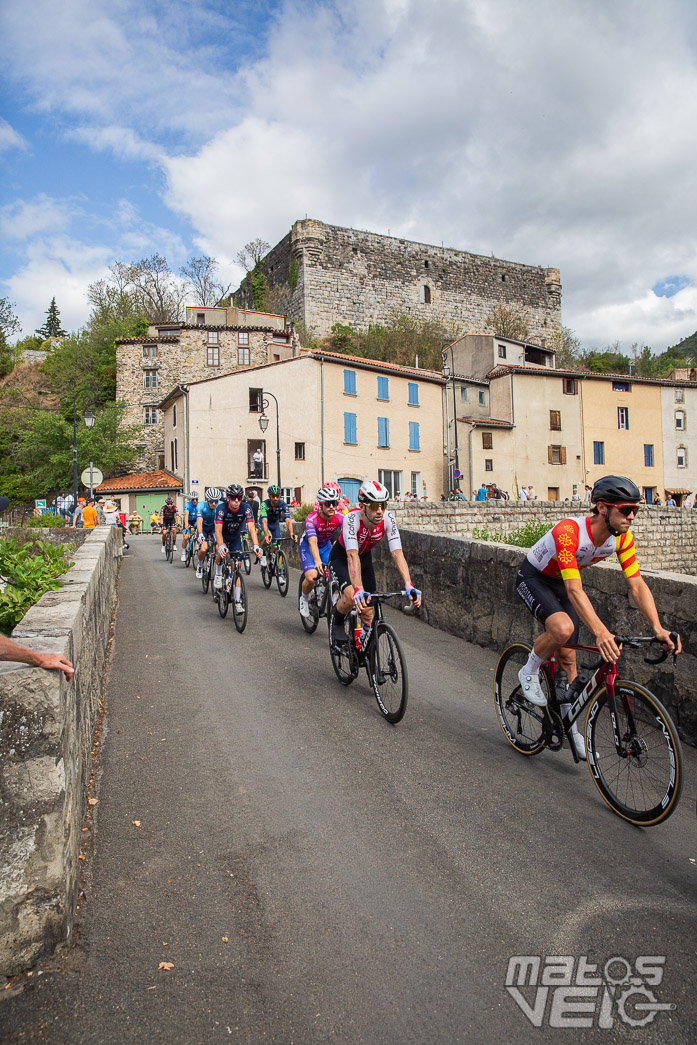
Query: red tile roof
{"x": 159, "y": 480}
{"x": 487, "y": 422}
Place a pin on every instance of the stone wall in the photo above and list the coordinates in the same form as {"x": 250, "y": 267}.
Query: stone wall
{"x": 666, "y": 538}
{"x": 355, "y": 277}
{"x": 46, "y": 726}
{"x": 468, "y": 590}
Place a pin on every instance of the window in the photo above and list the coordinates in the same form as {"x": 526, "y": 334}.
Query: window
{"x": 502, "y": 351}
{"x": 383, "y": 431}
{"x": 256, "y": 469}
{"x": 414, "y": 435}
{"x": 682, "y": 457}
{"x": 648, "y": 455}
{"x": 413, "y": 393}
{"x": 679, "y": 395}
{"x": 200, "y": 318}
{"x": 488, "y": 464}
{"x": 425, "y": 295}
{"x": 242, "y": 337}
{"x": 598, "y": 453}
{"x": 350, "y": 427}
{"x": 149, "y": 351}
{"x": 623, "y": 417}
{"x": 552, "y": 493}
{"x": 392, "y": 480}
{"x": 173, "y": 452}
{"x": 569, "y": 386}
{"x": 349, "y": 382}
{"x": 463, "y": 393}
{"x": 174, "y": 415}
{"x": 620, "y": 386}
{"x": 213, "y": 355}
{"x": 383, "y": 388}
{"x": 482, "y": 397}
{"x": 679, "y": 420}
{"x": 299, "y": 451}
{"x": 487, "y": 441}
{"x": 556, "y": 455}
{"x": 150, "y": 379}
{"x": 555, "y": 420}
{"x": 416, "y": 484}
{"x": 212, "y": 337}
{"x": 243, "y": 357}
{"x": 256, "y": 400}
{"x": 280, "y": 339}
{"x": 150, "y": 415}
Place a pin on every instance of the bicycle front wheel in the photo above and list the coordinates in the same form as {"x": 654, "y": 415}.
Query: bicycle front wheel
{"x": 247, "y": 561}
{"x": 223, "y": 597}
{"x": 266, "y": 576}
{"x": 206, "y": 575}
{"x": 282, "y": 575}
{"x": 641, "y": 782}
{"x": 239, "y": 606}
{"x": 387, "y": 670}
{"x": 342, "y": 653}
{"x": 520, "y": 721}
{"x": 189, "y": 551}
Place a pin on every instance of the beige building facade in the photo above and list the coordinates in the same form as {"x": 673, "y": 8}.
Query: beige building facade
{"x": 339, "y": 417}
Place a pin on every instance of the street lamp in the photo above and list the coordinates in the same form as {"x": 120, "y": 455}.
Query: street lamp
{"x": 89, "y": 398}
{"x": 448, "y": 372}
{"x": 264, "y": 424}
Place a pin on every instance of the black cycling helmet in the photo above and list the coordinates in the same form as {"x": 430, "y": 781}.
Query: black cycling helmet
{"x": 616, "y": 489}
{"x": 273, "y": 491}
{"x": 234, "y": 490}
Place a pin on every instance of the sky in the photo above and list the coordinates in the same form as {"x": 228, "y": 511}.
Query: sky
{"x": 551, "y": 132}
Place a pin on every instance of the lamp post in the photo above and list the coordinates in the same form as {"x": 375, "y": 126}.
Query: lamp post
{"x": 449, "y": 372}
{"x": 264, "y": 424}
{"x": 89, "y": 399}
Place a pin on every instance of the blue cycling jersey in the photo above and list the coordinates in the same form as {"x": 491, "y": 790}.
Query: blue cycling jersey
{"x": 207, "y": 514}
{"x": 191, "y": 508}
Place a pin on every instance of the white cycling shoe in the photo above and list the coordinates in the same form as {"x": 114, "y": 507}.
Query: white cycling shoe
{"x": 239, "y": 608}
{"x": 183, "y": 556}
{"x": 218, "y": 581}
{"x": 579, "y": 745}
{"x": 199, "y": 572}
{"x": 163, "y": 549}
{"x": 532, "y": 691}
{"x": 304, "y": 607}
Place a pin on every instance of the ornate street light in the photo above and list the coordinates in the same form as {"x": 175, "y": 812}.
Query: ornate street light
{"x": 264, "y": 424}
{"x": 89, "y": 399}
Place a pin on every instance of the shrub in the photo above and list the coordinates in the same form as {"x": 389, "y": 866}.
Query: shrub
{"x": 27, "y": 570}
{"x": 47, "y": 519}
{"x": 302, "y": 511}
{"x": 524, "y": 537}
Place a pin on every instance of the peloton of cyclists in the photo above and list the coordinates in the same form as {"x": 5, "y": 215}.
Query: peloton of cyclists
{"x": 231, "y": 517}
{"x": 205, "y": 525}
{"x": 271, "y": 512}
{"x": 169, "y": 518}
{"x": 321, "y": 530}
{"x": 190, "y": 509}
{"x": 549, "y": 583}
{"x": 351, "y": 562}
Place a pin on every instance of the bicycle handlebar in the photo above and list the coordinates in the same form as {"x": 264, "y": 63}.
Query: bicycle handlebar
{"x": 636, "y": 642}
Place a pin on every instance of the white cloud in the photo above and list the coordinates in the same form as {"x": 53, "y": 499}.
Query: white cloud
{"x": 9, "y": 137}
{"x": 23, "y": 219}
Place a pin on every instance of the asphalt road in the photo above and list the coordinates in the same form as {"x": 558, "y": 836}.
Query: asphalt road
{"x": 316, "y": 875}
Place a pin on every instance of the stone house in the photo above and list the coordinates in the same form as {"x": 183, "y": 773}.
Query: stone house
{"x": 210, "y": 341}
{"x": 339, "y": 417}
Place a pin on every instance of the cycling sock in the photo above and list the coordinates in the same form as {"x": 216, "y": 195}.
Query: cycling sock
{"x": 532, "y": 666}
{"x": 564, "y": 708}
{"x": 339, "y": 619}
{"x": 218, "y": 569}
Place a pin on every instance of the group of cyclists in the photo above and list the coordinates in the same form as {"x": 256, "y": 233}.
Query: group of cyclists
{"x": 342, "y": 538}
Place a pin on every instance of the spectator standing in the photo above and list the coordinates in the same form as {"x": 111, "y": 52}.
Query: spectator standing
{"x": 670, "y": 500}
{"x": 258, "y": 459}
{"x": 90, "y": 516}
{"x": 532, "y": 495}
{"x": 481, "y": 493}
{"x": 78, "y": 520}
{"x": 587, "y": 494}
{"x": 523, "y": 495}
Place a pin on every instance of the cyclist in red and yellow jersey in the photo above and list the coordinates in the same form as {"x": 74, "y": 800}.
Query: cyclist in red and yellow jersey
{"x": 549, "y": 583}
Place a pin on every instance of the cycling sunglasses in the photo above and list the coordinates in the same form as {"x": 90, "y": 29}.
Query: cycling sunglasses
{"x": 626, "y": 509}
{"x": 235, "y": 498}
{"x": 330, "y": 504}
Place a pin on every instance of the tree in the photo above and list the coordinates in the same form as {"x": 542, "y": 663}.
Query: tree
{"x": 508, "y": 322}
{"x": 567, "y": 347}
{"x": 201, "y": 275}
{"x": 400, "y": 341}
{"x": 252, "y": 253}
{"x": 156, "y": 292}
{"x": 9, "y": 324}
{"x": 52, "y": 326}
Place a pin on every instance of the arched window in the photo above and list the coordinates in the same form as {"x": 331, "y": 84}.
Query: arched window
{"x": 425, "y": 296}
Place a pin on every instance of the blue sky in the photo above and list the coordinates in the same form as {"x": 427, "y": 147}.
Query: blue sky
{"x": 546, "y": 133}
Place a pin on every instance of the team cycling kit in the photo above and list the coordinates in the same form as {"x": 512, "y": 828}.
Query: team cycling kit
{"x": 324, "y": 531}
{"x": 559, "y": 556}
{"x": 273, "y": 515}
{"x": 191, "y": 508}
{"x": 169, "y": 514}
{"x": 356, "y": 536}
{"x": 207, "y": 516}
{"x": 233, "y": 523}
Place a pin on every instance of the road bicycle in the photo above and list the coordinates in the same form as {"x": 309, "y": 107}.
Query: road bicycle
{"x": 232, "y": 579}
{"x": 208, "y": 565}
{"x": 378, "y": 650}
{"x": 169, "y": 544}
{"x": 633, "y": 750}
{"x": 318, "y": 600}
{"x": 247, "y": 552}
{"x": 276, "y": 566}
{"x": 190, "y": 548}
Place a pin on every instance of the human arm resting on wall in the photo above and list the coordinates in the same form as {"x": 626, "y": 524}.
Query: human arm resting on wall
{"x": 10, "y": 650}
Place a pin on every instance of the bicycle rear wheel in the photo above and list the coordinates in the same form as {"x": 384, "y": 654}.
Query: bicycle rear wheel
{"x": 520, "y": 721}
{"x": 239, "y": 608}
{"x": 643, "y": 783}
{"x": 387, "y": 670}
{"x": 282, "y": 576}
{"x": 266, "y": 575}
{"x": 309, "y": 623}
{"x": 206, "y": 575}
{"x": 342, "y": 653}
{"x": 223, "y": 596}
{"x": 168, "y": 547}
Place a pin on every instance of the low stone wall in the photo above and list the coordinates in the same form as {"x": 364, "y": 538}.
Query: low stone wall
{"x": 666, "y": 537}
{"x": 46, "y": 726}
{"x": 469, "y": 590}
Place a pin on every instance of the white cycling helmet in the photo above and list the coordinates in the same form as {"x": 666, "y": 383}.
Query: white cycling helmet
{"x": 327, "y": 493}
{"x": 193, "y": 496}
{"x": 372, "y": 492}
{"x": 214, "y": 494}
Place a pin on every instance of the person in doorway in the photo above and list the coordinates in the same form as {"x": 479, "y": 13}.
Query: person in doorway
{"x": 258, "y": 459}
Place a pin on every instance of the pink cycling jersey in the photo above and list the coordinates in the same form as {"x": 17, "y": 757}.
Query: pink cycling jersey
{"x": 356, "y": 536}
{"x": 323, "y": 529}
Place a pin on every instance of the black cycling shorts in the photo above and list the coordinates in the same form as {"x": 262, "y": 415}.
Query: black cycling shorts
{"x": 338, "y": 564}
{"x": 544, "y": 596}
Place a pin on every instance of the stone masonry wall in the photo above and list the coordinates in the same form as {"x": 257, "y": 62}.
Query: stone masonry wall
{"x": 469, "y": 590}
{"x": 46, "y": 726}
{"x": 666, "y": 538}
{"x": 354, "y": 277}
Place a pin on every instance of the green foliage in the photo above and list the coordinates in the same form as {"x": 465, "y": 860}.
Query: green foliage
{"x": 302, "y": 511}
{"x": 260, "y": 286}
{"x": 399, "y": 341}
{"x": 605, "y": 362}
{"x": 524, "y": 537}
{"x": 48, "y": 519}
{"x": 52, "y": 325}
{"x": 293, "y": 273}
{"x": 506, "y": 321}
{"x": 30, "y": 569}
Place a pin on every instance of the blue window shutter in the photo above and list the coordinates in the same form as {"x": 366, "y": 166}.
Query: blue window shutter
{"x": 413, "y": 394}
{"x": 383, "y": 431}
{"x": 383, "y": 388}
{"x": 414, "y": 435}
{"x": 350, "y": 428}
{"x": 350, "y": 381}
